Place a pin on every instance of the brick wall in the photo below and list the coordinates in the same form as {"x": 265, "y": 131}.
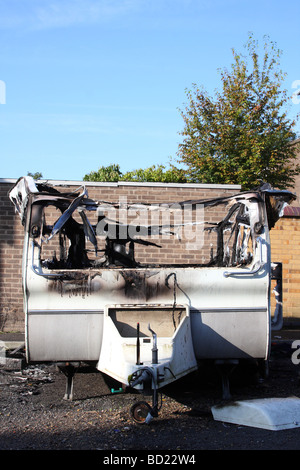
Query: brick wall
{"x": 11, "y": 232}
{"x": 11, "y": 247}
{"x": 285, "y": 248}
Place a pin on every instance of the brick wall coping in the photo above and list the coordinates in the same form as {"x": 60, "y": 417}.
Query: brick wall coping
{"x": 130, "y": 183}
{"x": 291, "y": 211}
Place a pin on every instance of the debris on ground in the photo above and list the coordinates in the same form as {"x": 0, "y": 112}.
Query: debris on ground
{"x": 34, "y": 415}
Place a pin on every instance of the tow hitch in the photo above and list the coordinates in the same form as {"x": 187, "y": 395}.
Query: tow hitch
{"x": 141, "y": 411}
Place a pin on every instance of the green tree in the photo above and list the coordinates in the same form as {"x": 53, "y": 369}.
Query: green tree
{"x": 242, "y": 136}
{"x": 157, "y": 174}
{"x": 105, "y": 173}
{"x": 37, "y": 175}
{"x": 152, "y": 174}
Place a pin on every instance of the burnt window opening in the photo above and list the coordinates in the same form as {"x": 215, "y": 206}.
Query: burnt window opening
{"x": 222, "y": 235}
{"x": 68, "y": 230}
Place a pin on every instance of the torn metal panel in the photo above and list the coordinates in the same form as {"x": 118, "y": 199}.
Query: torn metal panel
{"x": 64, "y": 218}
{"x": 20, "y": 193}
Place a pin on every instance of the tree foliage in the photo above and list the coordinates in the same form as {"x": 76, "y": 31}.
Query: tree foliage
{"x": 242, "y": 136}
{"x": 157, "y": 173}
{"x": 110, "y": 173}
{"x": 154, "y": 173}
{"x": 36, "y": 176}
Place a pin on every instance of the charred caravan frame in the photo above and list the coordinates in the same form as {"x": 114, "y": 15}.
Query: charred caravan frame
{"x": 88, "y": 298}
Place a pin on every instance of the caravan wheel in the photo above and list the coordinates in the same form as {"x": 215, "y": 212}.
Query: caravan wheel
{"x": 139, "y": 411}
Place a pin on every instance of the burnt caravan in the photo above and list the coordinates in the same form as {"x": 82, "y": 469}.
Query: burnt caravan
{"x": 147, "y": 322}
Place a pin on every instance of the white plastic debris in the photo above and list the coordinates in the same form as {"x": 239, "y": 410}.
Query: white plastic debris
{"x": 267, "y": 413}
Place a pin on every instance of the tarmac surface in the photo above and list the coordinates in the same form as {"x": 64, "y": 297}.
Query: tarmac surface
{"x": 34, "y": 415}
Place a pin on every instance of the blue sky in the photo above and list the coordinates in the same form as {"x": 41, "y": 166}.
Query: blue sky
{"x": 86, "y": 83}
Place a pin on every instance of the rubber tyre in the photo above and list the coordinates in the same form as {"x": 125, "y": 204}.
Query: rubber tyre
{"x": 139, "y": 411}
